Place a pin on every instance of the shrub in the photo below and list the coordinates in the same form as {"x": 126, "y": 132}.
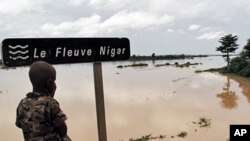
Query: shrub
{"x": 245, "y": 72}
{"x": 237, "y": 64}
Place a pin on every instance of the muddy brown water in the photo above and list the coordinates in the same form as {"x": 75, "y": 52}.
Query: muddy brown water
{"x": 139, "y": 101}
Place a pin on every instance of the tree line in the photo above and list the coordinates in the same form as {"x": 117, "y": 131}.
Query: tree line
{"x": 238, "y": 65}
{"x": 229, "y": 45}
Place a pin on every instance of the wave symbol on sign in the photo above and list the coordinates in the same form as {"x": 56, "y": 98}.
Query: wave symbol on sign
{"x": 18, "y": 52}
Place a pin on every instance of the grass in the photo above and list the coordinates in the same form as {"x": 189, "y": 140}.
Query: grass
{"x": 203, "y": 122}
{"x": 148, "y": 137}
{"x": 133, "y": 65}
{"x": 6, "y": 68}
{"x": 143, "y": 138}
{"x": 164, "y": 57}
{"x": 160, "y": 65}
{"x": 176, "y": 64}
{"x": 238, "y": 65}
{"x": 182, "y": 134}
{"x": 187, "y": 64}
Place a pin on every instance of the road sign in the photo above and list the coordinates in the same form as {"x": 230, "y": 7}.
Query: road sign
{"x": 25, "y": 51}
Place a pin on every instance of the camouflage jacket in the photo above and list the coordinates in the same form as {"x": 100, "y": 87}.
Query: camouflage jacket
{"x": 38, "y": 115}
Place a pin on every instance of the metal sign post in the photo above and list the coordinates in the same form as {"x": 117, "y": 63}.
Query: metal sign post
{"x": 99, "y": 97}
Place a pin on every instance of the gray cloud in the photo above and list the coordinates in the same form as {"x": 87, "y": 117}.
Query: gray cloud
{"x": 163, "y": 26}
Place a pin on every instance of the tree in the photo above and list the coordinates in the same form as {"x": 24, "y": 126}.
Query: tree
{"x": 246, "y": 49}
{"x": 153, "y": 55}
{"x": 228, "y": 45}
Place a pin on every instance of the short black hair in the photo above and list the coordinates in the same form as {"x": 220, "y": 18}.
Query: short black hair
{"x": 40, "y": 72}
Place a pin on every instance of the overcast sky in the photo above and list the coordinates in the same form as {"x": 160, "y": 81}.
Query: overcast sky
{"x": 153, "y": 26}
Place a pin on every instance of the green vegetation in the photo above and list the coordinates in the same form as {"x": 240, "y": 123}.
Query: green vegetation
{"x": 203, "y": 122}
{"x": 228, "y": 45}
{"x": 143, "y": 138}
{"x": 6, "y": 68}
{"x": 182, "y": 134}
{"x": 187, "y": 64}
{"x": 160, "y": 65}
{"x": 239, "y": 65}
{"x": 148, "y": 137}
{"x": 163, "y": 57}
{"x": 133, "y": 65}
{"x": 176, "y": 64}
{"x": 246, "y": 50}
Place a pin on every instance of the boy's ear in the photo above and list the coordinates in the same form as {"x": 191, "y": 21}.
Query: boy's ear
{"x": 49, "y": 83}
{"x": 50, "y": 88}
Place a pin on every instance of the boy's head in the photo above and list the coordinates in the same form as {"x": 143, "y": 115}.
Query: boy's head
{"x": 42, "y": 76}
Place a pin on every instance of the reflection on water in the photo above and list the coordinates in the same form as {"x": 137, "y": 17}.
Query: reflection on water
{"x": 243, "y": 84}
{"x": 139, "y": 101}
{"x": 228, "y": 97}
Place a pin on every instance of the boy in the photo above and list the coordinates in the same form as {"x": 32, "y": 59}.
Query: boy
{"x": 39, "y": 114}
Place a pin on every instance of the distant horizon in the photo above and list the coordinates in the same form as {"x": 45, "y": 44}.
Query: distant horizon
{"x": 231, "y": 54}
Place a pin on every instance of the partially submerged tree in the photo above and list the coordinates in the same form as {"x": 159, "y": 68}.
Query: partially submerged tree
{"x": 228, "y": 45}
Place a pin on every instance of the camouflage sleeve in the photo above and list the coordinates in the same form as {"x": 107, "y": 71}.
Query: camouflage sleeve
{"x": 18, "y": 116}
{"x": 55, "y": 114}
{"x": 18, "y": 119}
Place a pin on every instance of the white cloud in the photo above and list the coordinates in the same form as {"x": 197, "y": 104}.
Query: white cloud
{"x": 117, "y": 4}
{"x": 95, "y": 2}
{"x": 195, "y": 10}
{"x": 108, "y": 4}
{"x": 10, "y": 7}
{"x": 194, "y": 27}
{"x": 211, "y": 35}
{"x": 180, "y": 9}
{"x": 178, "y": 31}
{"x": 135, "y": 20}
{"x": 122, "y": 21}
{"x": 84, "y": 26}
{"x": 76, "y": 2}
{"x": 140, "y": 18}
{"x": 205, "y": 29}
{"x": 170, "y": 30}
{"x": 18, "y": 6}
{"x": 181, "y": 31}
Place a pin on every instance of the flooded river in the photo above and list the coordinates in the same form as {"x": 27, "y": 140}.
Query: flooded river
{"x": 162, "y": 101}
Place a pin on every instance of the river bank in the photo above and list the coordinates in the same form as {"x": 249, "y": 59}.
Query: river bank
{"x": 238, "y": 66}
{"x": 163, "y": 57}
